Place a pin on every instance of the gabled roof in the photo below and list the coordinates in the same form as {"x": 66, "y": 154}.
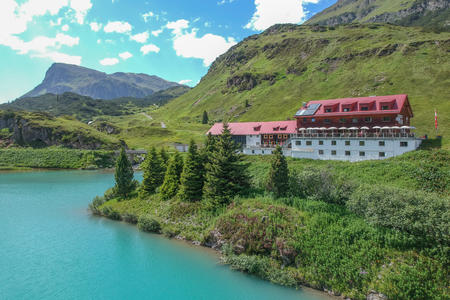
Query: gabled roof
{"x": 397, "y": 101}
{"x": 248, "y": 128}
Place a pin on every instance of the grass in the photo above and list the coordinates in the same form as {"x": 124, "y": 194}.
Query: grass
{"x": 53, "y": 157}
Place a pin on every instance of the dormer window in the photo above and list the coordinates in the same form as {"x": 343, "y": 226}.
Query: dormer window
{"x": 257, "y": 128}
{"x": 328, "y": 110}
{"x": 283, "y": 128}
{"x": 346, "y": 109}
{"x": 364, "y": 108}
{"x": 276, "y": 128}
{"x": 384, "y": 107}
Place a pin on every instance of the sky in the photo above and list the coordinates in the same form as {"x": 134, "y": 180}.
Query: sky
{"x": 173, "y": 39}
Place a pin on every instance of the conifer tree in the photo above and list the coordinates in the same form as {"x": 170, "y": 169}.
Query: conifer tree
{"x": 164, "y": 156}
{"x": 171, "y": 182}
{"x": 208, "y": 149}
{"x": 192, "y": 177}
{"x": 278, "y": 181}
{"x": 153, "y": 172}
{"x": 226, "y": 174}
{"x": 205, "y": 119}
{"x": 124, "y": 175}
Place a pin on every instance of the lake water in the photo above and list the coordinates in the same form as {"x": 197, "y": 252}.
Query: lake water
{"x": 52, "y": 248}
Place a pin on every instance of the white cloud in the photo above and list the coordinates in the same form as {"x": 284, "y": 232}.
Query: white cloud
{"x": 140, "y": 37}
{"x": 118, "y": 26}
{"x": 95, "y": 26}
{"x": 125, "y": 55}
{"x": 60, "y": 57}
{"x": 40, "y": 44}
{"x": 109, "y": 61}
{"x": 148, "y": 15}
{"x": 81, "y": 8}
{"x": 188, "y": 44}
{"x": 178, "y": 26}
{"x": 65, "y": 28}
{"x": 157, "y": 32}
{"x": 149, "y": 48}
{"x": 224, "y": 2}
{"x": 269, "y": 12}
{"x": 184, "y": 81}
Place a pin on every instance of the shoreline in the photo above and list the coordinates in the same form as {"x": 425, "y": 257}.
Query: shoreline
{"x": 218, "y": 256}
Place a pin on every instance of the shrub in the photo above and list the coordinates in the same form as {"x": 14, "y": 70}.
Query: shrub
{"x": 111, "y": 213}
{"x": 320, "y": 184}
{"x": 96, "y": 203}
{"x": 170, "y": 231}
{"x": 149, "y": 224}
{"x": 422, "y": 215}
{"x": 130, "y": 218}
{"x": 109, "y": 194}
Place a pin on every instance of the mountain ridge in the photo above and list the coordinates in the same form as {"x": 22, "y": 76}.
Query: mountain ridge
{"x": 426, "y": 13}
{"x": 60, "y": 78}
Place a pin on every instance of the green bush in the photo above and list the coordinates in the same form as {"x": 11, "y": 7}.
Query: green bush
{"x": 111, "y": 213}
{"x": 130, "y": 218}
{"x": 96, "y": 203}
{"x": 425, "y": 216}
{"x": 320, "y": 184}
{"x": 149, "y": 224}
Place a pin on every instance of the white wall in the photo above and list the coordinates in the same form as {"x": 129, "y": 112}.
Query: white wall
{"x": 253, "y": 140}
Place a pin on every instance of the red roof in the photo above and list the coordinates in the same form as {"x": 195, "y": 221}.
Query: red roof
{"x": 247, "y": 128}
{"x": 395, "y": 103}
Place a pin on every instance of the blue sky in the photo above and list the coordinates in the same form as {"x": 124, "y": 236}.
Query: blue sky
{"x": 176, "y": 40}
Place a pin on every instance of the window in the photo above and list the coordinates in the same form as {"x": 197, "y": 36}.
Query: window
{"x": 305, "y": 120}
{"x": 333, "y": 152}
{"x": 403, "y": 144}
{"x": 263, "y": 152}
{"x": 381, "y": 143}
{"x": 280, "y": 136}
{"x": 298, "y": 143}
{"x": 313, "y": 120}
{"x": 362, "y": 153}
{"x": 270, "y": 136}
{"x": 381, "y": 154}
{"x": 308, "y": 143}
{"x": 364, "y": 108}
{"x": 327, "y": 121}
{"x": 347, "y": 143}
{"x": 328, "y": 110}
{"x": 320, "y": 152}
{"x": 384, "y": 107}
{"x": 362, "y": 143}
{"x": 253, "y": 151}
{"x": 285, "y": 136}
{"x": 346, "y": 109}
{"x": 355, "y": 120}
{"x": 347, "y": 153}
{"x": 320, "y": 142}
{"x": 333, "y": 143}
{"x": 386, "y": 119}
{"x": 342, "y": 120}
{"x": 368, "y": 119}
{"x": 266, "y": 136}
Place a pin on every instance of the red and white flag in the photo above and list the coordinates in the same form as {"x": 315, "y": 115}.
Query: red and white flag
{"x": 435, "y": 120}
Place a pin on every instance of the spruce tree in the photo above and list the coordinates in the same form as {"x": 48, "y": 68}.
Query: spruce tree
{"x": 278, "y": 181}
{"x": 153, "y": 172}
{"x": 226, "y": 174}
{"x": 192, "y": 177}
{"x": 171, "y": 182}
{"x": 164, "y": 156}
{"x": 208, "y": 149}
{"x": 123, "y": 175}
{"x": 205, "y": 119}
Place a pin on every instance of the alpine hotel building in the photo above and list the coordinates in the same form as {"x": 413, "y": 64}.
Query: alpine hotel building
{"x": 351, "y": 129}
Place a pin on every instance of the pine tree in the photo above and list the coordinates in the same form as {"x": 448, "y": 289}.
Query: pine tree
{"x": 171, "y": 182}
{"x": 208, "y": 149}
{"x": 246, "y": 103}
{"x": 124, "y": 175}
{"x": 278, "y": 181}
{"x": 164, "y": 156}
{"x": 226, "y": 174}
{"x": 153, "y": 172}
{"x": 205, "y": 119}
{"x": 192, "y": 176}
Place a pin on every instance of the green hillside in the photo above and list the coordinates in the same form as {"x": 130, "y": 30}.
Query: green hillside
{"x": 274, "y": 72}
{"x": 428, "y": 13}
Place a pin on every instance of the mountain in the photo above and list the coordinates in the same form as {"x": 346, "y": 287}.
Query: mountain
{"x": 84, "y": 108}
{"x": 61, "y": 78}
{"x": 267, "y": 76}
{"x": 428, "y": 13}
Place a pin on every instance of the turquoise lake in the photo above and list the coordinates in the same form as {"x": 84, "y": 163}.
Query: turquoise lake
{"x": 52, "y": 248}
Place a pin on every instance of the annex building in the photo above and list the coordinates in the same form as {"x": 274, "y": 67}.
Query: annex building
{"x": 351, "y": 129}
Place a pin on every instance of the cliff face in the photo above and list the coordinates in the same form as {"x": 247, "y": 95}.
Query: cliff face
{"x": 61, "y": 78}
{"x": 39, "y": 130}
{"x": 429, "y": 13}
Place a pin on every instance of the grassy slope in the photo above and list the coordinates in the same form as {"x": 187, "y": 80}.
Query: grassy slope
{"x": 381, "y": 6}
{"x": 335, "y": 249}
{"x": 419, "y": 66}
